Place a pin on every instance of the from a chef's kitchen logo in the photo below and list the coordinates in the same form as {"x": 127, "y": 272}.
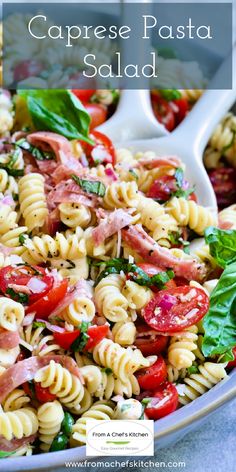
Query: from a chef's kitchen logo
{"x": 123, "y": 437}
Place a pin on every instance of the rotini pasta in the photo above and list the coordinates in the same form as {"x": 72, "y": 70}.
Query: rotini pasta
{"x": 32, "y": 200}
{"x": 109, "y": 299}
{"x": 11, "y": 314}
{"x": 101, "y": 410}
{"x": 189, "y": 213}
{"x": 18, "y": 423}
{"x": 50, "y": 416}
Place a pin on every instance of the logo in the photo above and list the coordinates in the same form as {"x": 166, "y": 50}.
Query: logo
{"x": 120, "y": 438}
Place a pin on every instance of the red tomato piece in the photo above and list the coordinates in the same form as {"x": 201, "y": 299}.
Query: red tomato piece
{"x": 181, "y": 108}
{"x": 233, "y": 363}
{"x": 223, "y": 181}
{"x": 98, "y": 114}
{"x": 151, "y": 270}
{"x": 163, "y": 402}
{"x": 162, "y": 188}
{"x": 152, "y": 377}
{"x": 175, "y": 309}
{"x": 67, "y": 338}
{"x": 96, "y": 334}
{"x": 27, "y": 68}
{"x": 43, "y": 395}
{"x": 83, "y": 95}
{"x": 148, "y": 341}
{"x": 45, "y": 305}
{"x": 21, "y": 276}
{"x": 102, "y": 151}
{"x": 163, "y": 111}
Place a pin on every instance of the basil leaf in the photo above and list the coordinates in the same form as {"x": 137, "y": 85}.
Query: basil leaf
{"x": 39, "y": 324}
{"x": 171, "y": 94}
{"x": 13, "y": 172}
{"x": 193, "y": 369}
{"x": 80, "y": 342}
{"x": 220, "y": 321}
{"x": 227, "y": 356}
{"x": 107, "y": 370}
{"x": 222, "y": 245}
{"x": 4, "y": 454}
{"x": 22, "y": 238}
{"x": 90, "y": 186}
{"x": 35, "y": 152}
{"x": 59, "y": 111}
{"x": 18, "y": 296}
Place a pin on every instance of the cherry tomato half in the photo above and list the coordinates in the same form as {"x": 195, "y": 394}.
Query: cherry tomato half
{"x": 151, "y": 270}
{"x": 163, "y": 111}
{"x": 83, "y": 95}
{"x": 21, "y": 276}
{"x": 45, "y": 305}
{"x": 180, "y": 108}
{"x": 95, "y": 333}
{"x": 102, "y": 152}
{"x": 163, "y": 402}
{"x": 152, "y": 377}
{"x": 223, "y": 181}
{"x": 148, "y": 341}
{"x": 98, "y": 114}
{"x": 42, "y": 394}
{"x": 162, "y": 188}
{"x": 175, "y": 309}
{"x": 27, "y": 68}
{"x": 233, "y": 363}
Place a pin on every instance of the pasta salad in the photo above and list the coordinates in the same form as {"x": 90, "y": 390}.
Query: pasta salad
{"x": 108, "y": 290}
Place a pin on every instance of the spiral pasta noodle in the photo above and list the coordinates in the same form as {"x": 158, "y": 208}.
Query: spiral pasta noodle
{"x": 18, "y": 423}
{"x": 62, "y": 383}
{"x": 8, "y": 184}
{"x": 136, "y": 295}
{"x": 73, "y": 215}
{"x": 180, "y": 351}
{"x": 101, "y": 410}
{"x": 15, "y": 400}
{"x": 32, "y": 200}
{"x": 11, "y": 314}
{"x": 81, "y": 309}
{"x": 50, "y": 416}
{"x": 109, "y": 299}
{"x": 209, "y": 375}
{"x": 123, "y": 362}
{"x": 124, "y": 333}
{"x": 189, "y": 213}
{"x": 121, "y": 195}
{"x": 155, "y": 219}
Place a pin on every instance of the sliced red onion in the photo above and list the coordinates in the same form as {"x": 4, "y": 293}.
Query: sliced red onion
{"x": 84, "y": 160}
{"x": 8, "y": 200}
{"x": 167, "y": 302}
{"x": 111, "y": 173}
{"x": 36, "y": 285}
{"x": 51, "y": 327}
{"x": 28, "y": 319}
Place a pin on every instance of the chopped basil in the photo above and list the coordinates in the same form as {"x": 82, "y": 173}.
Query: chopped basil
{"x": 177, "y": 240}
{"x": 18, "y": 296}
{"x": 13, "y": 172}
{"x": 222, "y": 245}
{"x": 4, "y": 454}
{"x": 136, "y": 274}
{"x": 35, "y": 152}
{"x": 15, "y": 197}
{"x": 193, "y": 370}
{"x": 38, "y": 324}
{"x": 170, "y": 94}
{"x": 22, "y": 238}
{"x": 228, "y": 356}
{"x": 81, "y": 341}
{"x": 90, "y": 186}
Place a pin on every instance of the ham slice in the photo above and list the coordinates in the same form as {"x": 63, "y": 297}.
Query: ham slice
{"x": 25, "y": 371}
{"x": 152, "y": 252}
{"x": 9, "y": 339}
{"x": 70, "y": 192}
{"x": 115, "y": 221}
{"x": 14, "y": 444}
{"x": 47, "y": 167}
{"x": 152, "y": 163}
{"x": 59, "y": 145}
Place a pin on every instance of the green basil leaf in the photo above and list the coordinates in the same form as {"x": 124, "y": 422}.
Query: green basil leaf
{"x": 18, "y": 296}
{"x": 13, "y": 172}
{"x": 39, "y": 324}
{"x": 107, "y": 370}
{"x": 35, "y": 152}
{"x": 90, "y": 186}
{"x": 80, "y": 342}
{"x": 227, "y": 356}
{"x": 22, "y": 238}
{"x": 4, "y": 454}
{"x": 222, "y": 245}
{"x": 193, "y": 370}
{"x": 171, "y": 94}
{"x": 59, "y": 111}
{"x": 220, "y": 321}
